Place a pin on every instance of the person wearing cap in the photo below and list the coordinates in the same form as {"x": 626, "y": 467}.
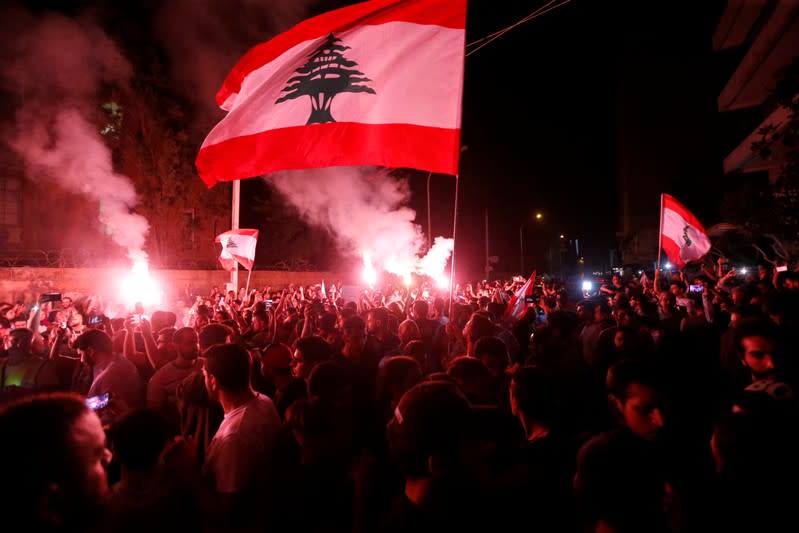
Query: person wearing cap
{"x": 430, "y": 439}
{"x": 282, "y": 387}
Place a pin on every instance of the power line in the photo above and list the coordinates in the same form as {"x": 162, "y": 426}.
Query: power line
{"x": 488, "y": 39}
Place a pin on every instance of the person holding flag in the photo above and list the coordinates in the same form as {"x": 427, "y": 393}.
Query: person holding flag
{"x": 682, "y": 236}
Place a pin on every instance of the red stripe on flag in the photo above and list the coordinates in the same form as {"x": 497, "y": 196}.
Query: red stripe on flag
{"x": 669, "y": 202}
{"x": 672, "y": 250}
{"x": 332, "y": 144}
{"x": 445, "y": 13}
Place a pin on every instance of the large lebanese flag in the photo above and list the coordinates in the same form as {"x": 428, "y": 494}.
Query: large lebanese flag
{"x": 377, "y": 83}
{"x": 237, "y": 245}
{"x": 683, "y": 237}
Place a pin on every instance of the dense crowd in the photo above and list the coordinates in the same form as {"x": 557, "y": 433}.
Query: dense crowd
{"x": 662, "y": 404}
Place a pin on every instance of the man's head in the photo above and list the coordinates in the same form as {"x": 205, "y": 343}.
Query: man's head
{"x": 532, "y": 395}
{"x": 757, "y": 340}
{"x": 428, "y": 428}
{"x": 354, "y": 335}
{"x": 214, "y": 334}
{"x": 94, "y": 346}
{"x": 164, "y": 339}
{"x": 677, "y": 288}
{"x": 420, "y": 310}
{"x": 493, "y": 352}
{"x": 309, "y": 352}
{"x": 634, "y": 391}
{"x": 138, "y": 437}
{"x": 377, "y": 321}
{"x": 408, "y": 331}
{"x": 66, "y": 302}
{"x": 56, "y": 457}
{"x": 20, "y": 340}
{"x": 227, "y": 369}
{"x": 186, "y": 341}
{"x": 476, "y": 328}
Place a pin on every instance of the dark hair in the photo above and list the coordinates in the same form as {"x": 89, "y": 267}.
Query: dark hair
{"x": 138, "y": 438}
{"x": 184, "y": 331}
{"x": 354, "y": 323}
{"x": 754, "y": 327}
{"x": 624, "y": 373}
{"x": 167, "y": 332}
{"x": 431, "y": 418}
{"x": 314, "y": 349}
{"x": 214, "y": 334}
{"x": 329, "y": 381}
{"x": 230, "y": 365}
{"x": 421, "y": 309}
{"x": 327, "y": 322}
{"x": 467, "y": 367}
{"x": 398, "y": 371}
{"x": 380, "y": 314}
{"x": 21, "y": 338}
{"x": 493, "y": 347}
{"x": 95, "y": 338}
{"x": 481, "y": 327}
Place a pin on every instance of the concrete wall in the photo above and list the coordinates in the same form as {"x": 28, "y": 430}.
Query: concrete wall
{"x": 26, "y": 282}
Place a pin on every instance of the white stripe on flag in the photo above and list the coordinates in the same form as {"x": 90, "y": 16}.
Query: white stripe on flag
{"x": 410, "y": 88}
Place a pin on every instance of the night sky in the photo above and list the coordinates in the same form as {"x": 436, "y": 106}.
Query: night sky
{"x": 552, "y": 111}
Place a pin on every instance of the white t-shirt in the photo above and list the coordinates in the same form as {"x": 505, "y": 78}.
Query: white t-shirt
{"x": 240, "y": 454}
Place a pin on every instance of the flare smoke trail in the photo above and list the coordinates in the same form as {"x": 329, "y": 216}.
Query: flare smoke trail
{"x": 366, "y": 209}
{"x": 57, "y": 66}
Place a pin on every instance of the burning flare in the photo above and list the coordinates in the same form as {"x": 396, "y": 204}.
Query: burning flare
{"x": 140, "y": 287}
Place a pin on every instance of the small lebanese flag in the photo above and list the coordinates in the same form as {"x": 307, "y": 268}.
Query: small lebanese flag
{"x": 518, "y": 303}
{"x": 237, "y": 245}
{"x": 683, "y": 237}
{"x": 377, "y": 83}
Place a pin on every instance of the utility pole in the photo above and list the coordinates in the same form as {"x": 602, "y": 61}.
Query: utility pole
{"x": 488, "y": 263}
{"x": 429, "y": 216}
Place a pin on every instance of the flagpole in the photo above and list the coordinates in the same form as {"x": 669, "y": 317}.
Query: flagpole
{"x": 454, "y": 240}
{"x": 249, "y": 275}
{"x": 660, "y": 233}
{"x": 234, "y": 225}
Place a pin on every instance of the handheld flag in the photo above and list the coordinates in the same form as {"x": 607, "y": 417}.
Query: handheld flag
{"x": 518, "y": 303}
{"x": 237, "y": 245}
{"x": 682, "y": 236}
{"x": 377, "y": 83}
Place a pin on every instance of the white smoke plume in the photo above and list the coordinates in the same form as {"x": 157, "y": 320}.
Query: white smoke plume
{"x": 366, "y": 209}
{"x": 58, "y": 65}
{"x": 70, "y": 152}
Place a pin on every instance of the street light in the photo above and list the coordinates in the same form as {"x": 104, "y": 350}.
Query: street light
{"x": 538, "y": 217}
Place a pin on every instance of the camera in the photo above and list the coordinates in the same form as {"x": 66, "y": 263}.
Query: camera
{"x": 50, "y": 297}
{"x": 95, "y": 320}
{"x": 696, "y": 288}
{"x": 96, "y": 403}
